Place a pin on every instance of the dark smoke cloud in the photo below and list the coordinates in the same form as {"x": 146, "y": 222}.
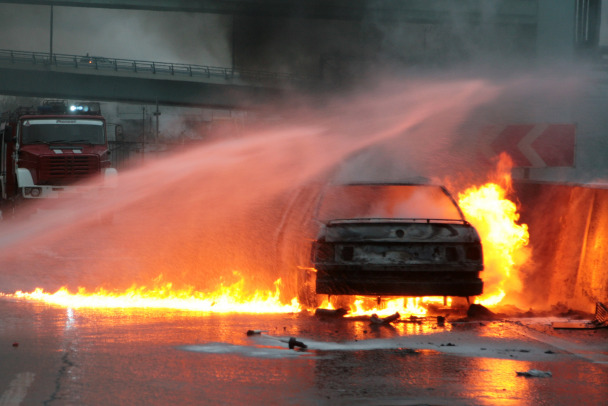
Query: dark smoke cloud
{"x": 348, "y": 52}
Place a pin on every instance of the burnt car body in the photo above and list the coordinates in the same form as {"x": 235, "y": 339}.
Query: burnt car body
{"x": 394, "y": 240}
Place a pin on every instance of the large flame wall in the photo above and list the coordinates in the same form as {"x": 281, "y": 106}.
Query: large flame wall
{"x": 569, "y": 235}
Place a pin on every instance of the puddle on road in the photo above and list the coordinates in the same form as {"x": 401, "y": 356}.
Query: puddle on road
{"x": 466, "y": 343}
{"x": 269, "y": 348}
{"x": 245, "y": 351}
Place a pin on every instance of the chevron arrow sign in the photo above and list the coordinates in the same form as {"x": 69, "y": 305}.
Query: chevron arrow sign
{"x": 532, "y": 145}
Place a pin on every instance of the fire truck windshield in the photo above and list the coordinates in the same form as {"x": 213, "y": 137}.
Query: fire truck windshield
{"x": 71, "y": 131}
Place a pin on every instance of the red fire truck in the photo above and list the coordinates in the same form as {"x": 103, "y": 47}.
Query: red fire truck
{"x": 45, "y": 152}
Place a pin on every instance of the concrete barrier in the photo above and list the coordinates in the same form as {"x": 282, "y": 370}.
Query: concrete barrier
{"x": 568, "y": 228}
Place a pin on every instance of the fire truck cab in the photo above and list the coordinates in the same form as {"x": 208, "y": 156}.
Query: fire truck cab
{"x": 46, "y": 152}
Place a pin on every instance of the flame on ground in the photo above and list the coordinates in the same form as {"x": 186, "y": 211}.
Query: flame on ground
{"x": 226, "y": 299}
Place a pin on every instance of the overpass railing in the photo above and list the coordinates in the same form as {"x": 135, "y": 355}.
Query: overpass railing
{"x": 87, "y": 62}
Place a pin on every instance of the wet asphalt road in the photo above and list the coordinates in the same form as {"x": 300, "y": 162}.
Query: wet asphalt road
{"x": 57, "y": 356}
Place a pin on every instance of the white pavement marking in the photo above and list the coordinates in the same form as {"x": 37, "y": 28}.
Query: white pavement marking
{"x": 17, "y": 389}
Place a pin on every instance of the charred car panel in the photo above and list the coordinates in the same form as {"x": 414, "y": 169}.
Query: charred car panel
{"x": 391, "y": 256}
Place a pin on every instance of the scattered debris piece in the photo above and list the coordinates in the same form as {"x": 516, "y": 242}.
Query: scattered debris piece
{"x": 295, "y": 343}
{"x": 292, "y": 342}
{"x": 374, "y": 319}
{"x": 480, "y": 312}
{"x": 600, "y": 320}
{"x": 561, "y": 310}
{"x": 331, "y": 312}
{"x": 416, "y": 319}
{"x": 406, "y": 351}
{"x": 573, "y": 325}
{"x": 15, "y": 344}
{"x": 535, "y": 373}
{"x": 549, "y": 352}
{"x": 255, "y": 332}
{"x": 448, "y": 345}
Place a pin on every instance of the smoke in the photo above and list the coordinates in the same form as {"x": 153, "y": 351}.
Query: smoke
{"x": 192, "y": 38}
{"x": 347, "y": 53}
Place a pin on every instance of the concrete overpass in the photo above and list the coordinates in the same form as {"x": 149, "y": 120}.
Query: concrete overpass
{"x": 36, "y": 74}
{"x": 421, "y": 11}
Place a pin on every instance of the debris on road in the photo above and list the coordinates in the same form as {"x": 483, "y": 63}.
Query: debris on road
{"x": 573, "y": 325}
{"x": 414, "y": 319}
{"x": 479, "y": 312}
{"x": 292, "y": 342}
{"x": 331, "y": 312}
{"x": 374, "y": 319}
{"x": 535, "y": 373}
{"x": 255, "y": 332}
{"x": 295, "y": 343}
{"x": 600, "y": 320}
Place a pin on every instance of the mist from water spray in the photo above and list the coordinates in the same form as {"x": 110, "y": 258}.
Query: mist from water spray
{"x": 198, "y": 217}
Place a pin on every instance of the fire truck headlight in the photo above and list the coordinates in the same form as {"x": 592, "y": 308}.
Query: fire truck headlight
{"x": 35, "y": 192}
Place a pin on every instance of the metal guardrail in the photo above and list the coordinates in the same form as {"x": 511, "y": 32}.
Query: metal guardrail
{"x": 138, "y": 66}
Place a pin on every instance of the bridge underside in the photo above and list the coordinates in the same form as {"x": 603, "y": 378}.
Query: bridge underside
{"x": 420, "y": 11}
{"x": 56, "y": 84}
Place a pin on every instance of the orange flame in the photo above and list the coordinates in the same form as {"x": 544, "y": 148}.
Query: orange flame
{"x": 405, "y": 306}
{"x": 226, "y": 299}
{"x": 504, "y": 241}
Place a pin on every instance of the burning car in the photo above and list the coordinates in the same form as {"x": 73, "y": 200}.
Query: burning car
{"x": 392, "y": 239}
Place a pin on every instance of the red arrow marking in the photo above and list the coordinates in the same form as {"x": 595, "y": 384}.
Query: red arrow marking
{"x": 507, "y": 142}
{"x": 555, "y": 145}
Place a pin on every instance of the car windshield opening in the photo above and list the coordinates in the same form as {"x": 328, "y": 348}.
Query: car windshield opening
{"x": 387, "y": 201}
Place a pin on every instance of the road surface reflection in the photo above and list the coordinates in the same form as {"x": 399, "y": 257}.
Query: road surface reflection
{"x": 95, "y": 357}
